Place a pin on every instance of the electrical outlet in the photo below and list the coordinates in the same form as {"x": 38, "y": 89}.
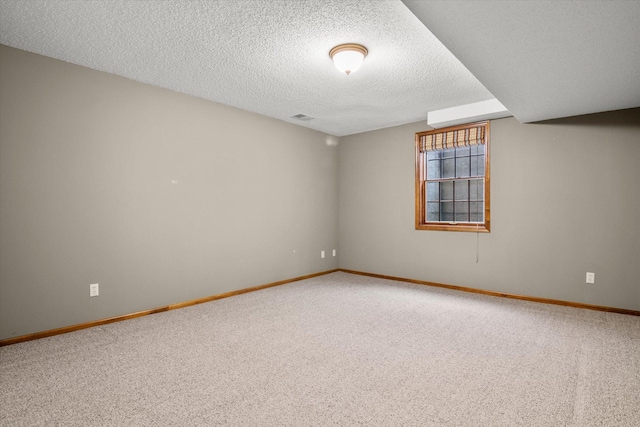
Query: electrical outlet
{"x": 94, "y": 290}
{"x": 334, "y": 252}
{"x": 321, "y": 254}
{"x": 591, "y": 277}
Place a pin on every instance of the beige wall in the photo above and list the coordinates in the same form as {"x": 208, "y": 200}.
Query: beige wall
{"x": 88, "y": 160}
{"x": 565, "y": 199}
{"x": 86, "y": 196}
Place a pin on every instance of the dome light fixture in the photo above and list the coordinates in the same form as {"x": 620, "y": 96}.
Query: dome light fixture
{"x": 348, "y": 57}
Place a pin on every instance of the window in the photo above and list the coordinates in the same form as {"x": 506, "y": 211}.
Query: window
{"x": 452, "y": 178}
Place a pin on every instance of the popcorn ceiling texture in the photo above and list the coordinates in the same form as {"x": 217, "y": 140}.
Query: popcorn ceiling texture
{"x": 268, "y": 56}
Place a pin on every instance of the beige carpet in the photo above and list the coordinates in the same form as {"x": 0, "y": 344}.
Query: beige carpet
{"x": 339, "y": 350}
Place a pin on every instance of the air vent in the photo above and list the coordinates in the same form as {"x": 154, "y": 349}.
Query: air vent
{"x": 302, "y": 117}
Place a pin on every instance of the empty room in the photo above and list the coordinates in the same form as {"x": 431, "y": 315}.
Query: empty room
{"x": 319, "y": 212}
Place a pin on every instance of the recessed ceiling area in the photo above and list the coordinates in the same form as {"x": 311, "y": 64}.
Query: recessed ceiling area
{"x": 545, "y": 59}
{"x": 541, "y": 60}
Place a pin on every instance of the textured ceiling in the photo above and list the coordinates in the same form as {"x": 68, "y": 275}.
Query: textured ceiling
{"x": 269, "y": 57}
{"x": 541, "y": 59}
{"x": 544, "y": 59}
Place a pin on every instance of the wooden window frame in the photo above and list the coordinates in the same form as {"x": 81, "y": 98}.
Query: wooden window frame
{"x": 420, "y": 186}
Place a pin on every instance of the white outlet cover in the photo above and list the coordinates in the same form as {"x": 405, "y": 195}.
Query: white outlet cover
{"x": 321, "y": 254}
{"x": 591, "y": 277}
{"x": 94, "y": 290}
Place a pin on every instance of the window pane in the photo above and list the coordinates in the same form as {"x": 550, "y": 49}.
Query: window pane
{"x": 477, "y": 149}
{"x": 447, "y": 154}
{"x": 461, "y": 211}
{"x": 462, "y": 151}
{"x": 433, "y": 192}
{"x": 480, "y": 166}
{"x": 475, "y": 165}
{"x": 434, "y": 154}
{"x": 433, "y": 211}
{"x": 476, "y": 190}
{"x": 475, "y": 211}
{"x": 462, "y": 167}
{"x": 448, "y": 168}
{"x": 446, "y": 213}
{"x": 461, "y": 190}
{"x": 446, "y": 190}
{"x": 433, "y": 169}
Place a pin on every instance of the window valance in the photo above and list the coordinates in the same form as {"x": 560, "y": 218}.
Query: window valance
{"x": 464, "y": 136}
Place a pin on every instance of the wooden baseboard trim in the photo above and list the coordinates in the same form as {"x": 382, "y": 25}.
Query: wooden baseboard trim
{"x": 72, "y": 328}
{"x": 500, "y": 294}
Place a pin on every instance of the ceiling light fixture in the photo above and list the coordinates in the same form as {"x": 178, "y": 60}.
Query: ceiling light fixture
{"x": 348, "y": 57}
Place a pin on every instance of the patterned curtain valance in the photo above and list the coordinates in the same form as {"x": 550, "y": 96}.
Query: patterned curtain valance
{"x": 459, "y": 136}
